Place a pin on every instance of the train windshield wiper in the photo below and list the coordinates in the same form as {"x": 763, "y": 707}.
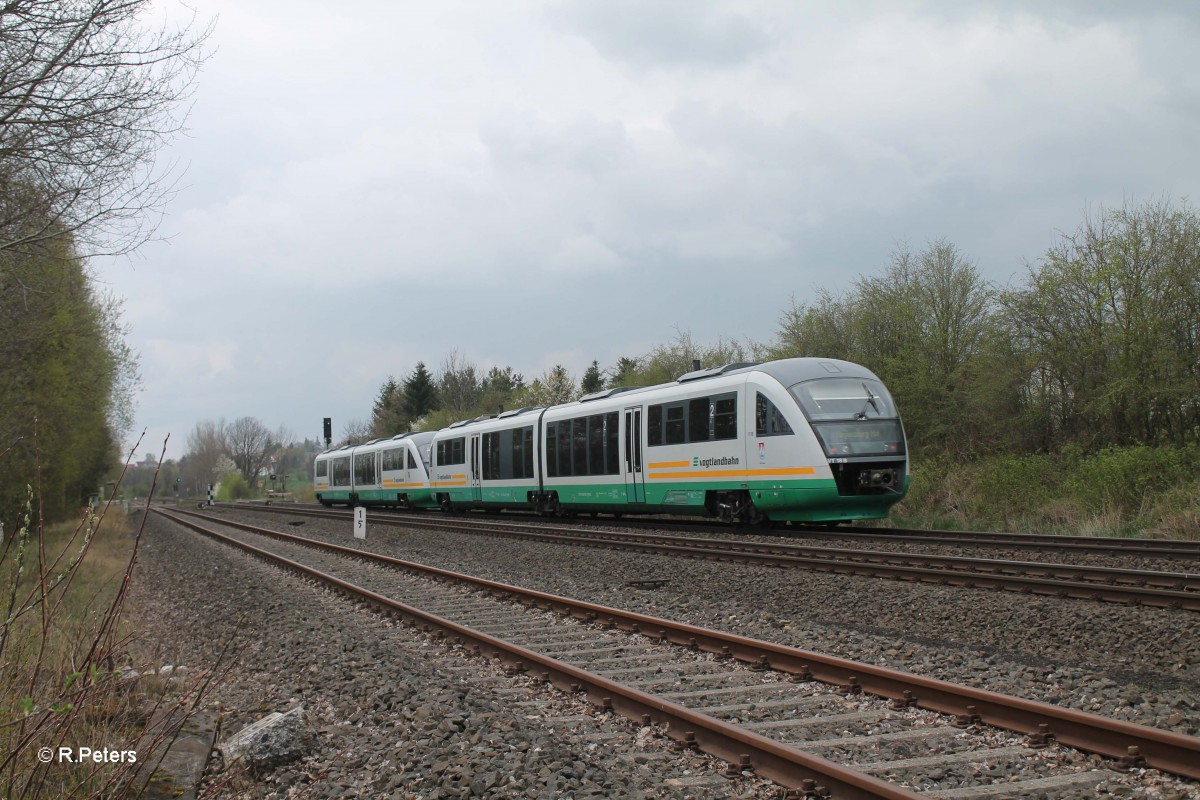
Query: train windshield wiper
{"x": 870, "y": 402}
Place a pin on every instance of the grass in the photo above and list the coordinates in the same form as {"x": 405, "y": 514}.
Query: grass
{"x": 65, "y": 679}
{"x": 1135, "y": 491}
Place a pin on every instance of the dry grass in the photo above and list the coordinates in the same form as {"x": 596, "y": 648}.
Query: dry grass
{"x": 64, "y": 674}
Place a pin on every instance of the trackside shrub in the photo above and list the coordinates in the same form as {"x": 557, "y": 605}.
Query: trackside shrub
{"x": 1126, "y": 480}
{"x": 1137, "y": 490}
{"x": 233, "y": 487}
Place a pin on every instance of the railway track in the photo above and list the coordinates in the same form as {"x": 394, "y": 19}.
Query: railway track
{"x": 1178, "y": 590}
{"x": 757, "y": 705}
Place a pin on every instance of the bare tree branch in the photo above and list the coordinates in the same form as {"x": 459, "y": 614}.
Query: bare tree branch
{"x": 88, "y": 97}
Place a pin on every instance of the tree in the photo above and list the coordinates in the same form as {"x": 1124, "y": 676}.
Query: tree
{"x": 387, "y": 415}
{"x": 357, "y": 431}
{"x": 207, "y": 445}
{"x": 1109, "y": 319}
{"x": 624, "y": 372}
{"x": 250, "y": 446}
{"x": 555, "y": 387}
{"x": 458, "y": 386}
{"x": 500, "y": 388}
{"x": 592, "y": 381}
{"x": 666, "y": 362}
{"x": 67, "y": 374}
{"x": 927, "y": 326}
{"x": 821, "y": 329}
{"x": 420, "y": 394}
{"x": 87, "y": 97}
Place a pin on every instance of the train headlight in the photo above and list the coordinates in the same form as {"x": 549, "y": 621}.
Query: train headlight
{"x": 877, "y": 477}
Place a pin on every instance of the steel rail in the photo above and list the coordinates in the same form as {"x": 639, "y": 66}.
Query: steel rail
{"x": 1160, "y": 548}
{"x": 1130, "y": 743}
{"x": 1102, "y": 584}
{"x": 779, "y": 762}
{"x": 1167, "y": 548}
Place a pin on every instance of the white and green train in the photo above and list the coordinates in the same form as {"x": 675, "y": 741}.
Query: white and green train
{"x": 801, "y": 439}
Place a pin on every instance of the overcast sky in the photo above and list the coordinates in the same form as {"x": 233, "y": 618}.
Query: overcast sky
{"x": 370, "y": 184}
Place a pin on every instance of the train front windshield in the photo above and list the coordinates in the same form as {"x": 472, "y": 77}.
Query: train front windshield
{"x": 851, "y": 416}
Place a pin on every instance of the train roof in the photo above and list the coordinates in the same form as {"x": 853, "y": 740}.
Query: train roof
{"x": 788, "y": 371}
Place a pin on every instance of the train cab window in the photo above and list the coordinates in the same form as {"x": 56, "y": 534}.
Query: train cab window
{"x": 412, "y": 462}
{"x": 768, "y": 419}
{"x": 322, "y": 469}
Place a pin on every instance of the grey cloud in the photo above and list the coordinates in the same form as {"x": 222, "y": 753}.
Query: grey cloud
{"x": 585, "y": 144}
{"x": 666, "y": 33}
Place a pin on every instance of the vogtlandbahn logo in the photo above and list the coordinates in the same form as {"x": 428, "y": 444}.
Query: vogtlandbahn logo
{"x": 723, "y": 461}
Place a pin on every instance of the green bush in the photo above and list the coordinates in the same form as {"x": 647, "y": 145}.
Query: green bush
{"x": 1009, "y": 485}
{"x": 233, "y": 487}
{"x": 1126, "y": 480}
{"x": 1137, "y": 490}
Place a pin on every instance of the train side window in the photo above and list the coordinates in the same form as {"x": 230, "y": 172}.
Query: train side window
{"x": 552, "y": 450}
{"x": 579, "y": 442}
{"x": 451, "y": 451}
{"x": 676, "y": 431}
{"x": 724, "y": 414}
{"x": 491, "y": 456}
{"x": 516, "y": 452}
{"x": 564, "y": 449}
{"x": 698, "y": 416}
{"x": 322, "y": 469}
{"x": 364, "y": 468}
{"x": 654, "y": 434}
{"x": 596, "y": 444}
{"x": 611, "y": 445}
{"x": 527, "y": 433}
{"x": 769, "y": 420}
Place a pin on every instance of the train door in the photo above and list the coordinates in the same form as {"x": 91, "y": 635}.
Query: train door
{"x": 476, "y": 490}
{"x": 635, "y": 477}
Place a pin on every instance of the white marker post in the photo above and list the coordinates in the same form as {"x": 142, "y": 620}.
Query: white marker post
{"x": 360, "y": 522}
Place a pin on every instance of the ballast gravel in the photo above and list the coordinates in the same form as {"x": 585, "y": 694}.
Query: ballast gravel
{"x": 1128, "y": 662}
{"x": 1125, "y": 662}
{"x": 388, "y": 713}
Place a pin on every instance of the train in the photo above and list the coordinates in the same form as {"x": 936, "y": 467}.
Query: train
{"x": 793, "y": 440}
